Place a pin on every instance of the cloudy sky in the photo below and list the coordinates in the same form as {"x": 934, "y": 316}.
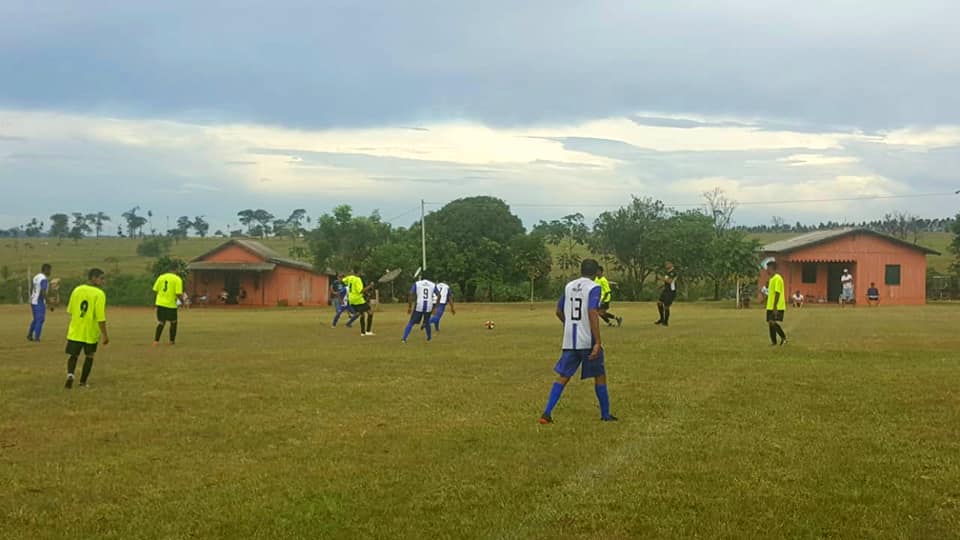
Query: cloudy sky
{"x": 809, "y": 111}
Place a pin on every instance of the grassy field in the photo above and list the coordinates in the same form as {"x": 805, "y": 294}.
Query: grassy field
{"x": 270, "y": 424}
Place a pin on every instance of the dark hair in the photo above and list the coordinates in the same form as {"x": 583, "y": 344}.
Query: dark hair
{"x": 599, "y": 268}
{"x": 589, "y": 267}
{"x": 772, "y": 264}
{"x": 45, "y": 268}
{"x": 94, "y": 273}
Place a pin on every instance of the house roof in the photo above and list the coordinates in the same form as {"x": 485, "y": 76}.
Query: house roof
{"x": 258, "y": 249}
{"x": 822, "y": 237}
{"x": 217, "y": 265}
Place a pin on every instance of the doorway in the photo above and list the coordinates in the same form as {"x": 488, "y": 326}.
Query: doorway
{"x": 834, "y": 271}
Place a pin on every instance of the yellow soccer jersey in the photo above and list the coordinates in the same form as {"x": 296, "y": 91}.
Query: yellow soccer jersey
{"x": 168, "y": 287}
{"x": 604, "y": 289}
{"x": 87, "y": 308}
{"x": 775, "y": 285}
{"x": 355, "y": 290}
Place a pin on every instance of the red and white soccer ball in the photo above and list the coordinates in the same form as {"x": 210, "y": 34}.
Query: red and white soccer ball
{"x": 489, "y": 325}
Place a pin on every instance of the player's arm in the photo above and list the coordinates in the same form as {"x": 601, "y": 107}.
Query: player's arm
{"x": 450, "y": 302}
{"x": 411, "y": 294}
{"x": 560, "y": 314}
{"x": 101, "y": 313}
{"x": 593, "y": 313}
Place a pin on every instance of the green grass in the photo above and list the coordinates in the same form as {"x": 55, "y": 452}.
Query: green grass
{"x": 270, "y": 424}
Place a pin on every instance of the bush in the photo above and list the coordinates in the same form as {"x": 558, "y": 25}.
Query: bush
{"x": 154, "y": 247}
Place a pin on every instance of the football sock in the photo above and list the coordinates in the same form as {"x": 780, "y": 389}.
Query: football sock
{"x": 173, "y": 332}
{"x": 604, "y": 398}
{"x": 363, "y": 325}
{"x": 773, "y": 335}
{"x": 666, "y": 315}
{"x": 72, "y": 363}
{"x": 87, "y": 366}
{"x": 780, "y": 331}
{"x": 33, "y": 324}
{"x": 660, "y": 309}
{"x": 429, "y": 331}
{"x": 353, "y": 317}
{"x": 159, "y": 331}
{"x": 38, "y": 327}
{"x": 369, "y": 322}
{"x": 555, "y": 392}
{"x": 406, "y": 331}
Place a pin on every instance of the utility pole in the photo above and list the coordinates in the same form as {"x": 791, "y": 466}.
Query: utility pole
{"x": 423, "y": 237}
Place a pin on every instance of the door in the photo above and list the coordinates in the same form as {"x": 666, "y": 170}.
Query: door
{"x": 232, "y": 285}
{"x": 834, "y": 271}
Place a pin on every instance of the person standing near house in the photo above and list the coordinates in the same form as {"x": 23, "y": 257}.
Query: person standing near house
{"x": 846, "y": 287}
{"x": 605, "y": 295}
{"x": 667, "y": 295}
{"x": 444, "y": 299}
{"x": 873, "y": 295}
{"x": 168, "y": 286}
{"x": 88, "y": 325}
{"x": 419, "y": 305}
{"x": 38, "y": 302}
{"x": 358, "y": 302}
{"x": 776, "y": 304}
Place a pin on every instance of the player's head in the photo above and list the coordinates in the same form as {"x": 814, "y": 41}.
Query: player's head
{"x": 845, "y": 271}
{"x": 669, "y": 265}
{"x": 95, "y": 276}
{"x": 872, "y": 284}
{"x": 589, "y": 268}
{"x": 772, "y": 266}
{"x": 45, "y": 269}
{"x": 599, "y": 270}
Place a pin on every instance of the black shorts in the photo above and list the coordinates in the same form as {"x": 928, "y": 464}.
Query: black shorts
{"x": 774, "y": 315}
{"x": 666, "y": 297}
{"x": 361, "y": 308}
{"x": 604, "y": 306}
{"x": 76, "y": 347}
{"x": 166, "y": 314}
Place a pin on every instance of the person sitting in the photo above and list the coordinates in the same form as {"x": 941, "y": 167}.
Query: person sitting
{"x": 796, "y": 300}
{"x": 873, "y": 295}
{"x": 224, "y": 296}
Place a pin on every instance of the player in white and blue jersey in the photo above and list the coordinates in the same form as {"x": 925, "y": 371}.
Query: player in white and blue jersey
{"x": 419, "y": 304}
{"x": 579, "y": 311}
{"x": 38, "y": 302}
{"x": 444, "y": 299}
{"x": 340, "y": 301}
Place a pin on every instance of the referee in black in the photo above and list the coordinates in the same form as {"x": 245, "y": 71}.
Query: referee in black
{"x": 667, "y": 295}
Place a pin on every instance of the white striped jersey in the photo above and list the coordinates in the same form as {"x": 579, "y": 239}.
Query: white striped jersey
{"x": 423, "y": 292}
{"x": 443, "y": 293}
{"x": 38, "y": 289}
{"x": 579, "y": 296}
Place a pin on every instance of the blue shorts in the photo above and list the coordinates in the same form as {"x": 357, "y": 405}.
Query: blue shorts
{"x": 571, "y": 359}
{"x": 438, "y": 311}
{"x": 418, "y": 316}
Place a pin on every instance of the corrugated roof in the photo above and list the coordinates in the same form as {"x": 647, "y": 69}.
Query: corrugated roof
{"x": 261, "y": 251}
{"x": 217, "y": 265}
{"x": 819, "y": 237}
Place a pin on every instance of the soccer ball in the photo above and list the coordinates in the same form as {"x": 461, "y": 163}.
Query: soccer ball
{"x": 489, "y": 325}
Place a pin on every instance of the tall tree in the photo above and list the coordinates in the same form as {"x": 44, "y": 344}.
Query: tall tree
{"x": 80, "y": 226}
{"x": 135, "y": 222}
{"x": 531, "y": 258}
{"x": 201, "y": 226}
{"x": 263, "y": 219}
{"x": 634, "y": 235}
{"x": 97, "y": 220}
{"x": 184, "y": 224}
{"x": 33, "y": 228}
{"x": 570, "y": 235}
{"x": 342, "y": 241}
{"x": 59, "y": 226}
{"x": 246, "y": 218}
{"x": 955, "y": 245}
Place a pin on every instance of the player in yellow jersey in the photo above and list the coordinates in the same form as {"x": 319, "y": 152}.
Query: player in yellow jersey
{"x": 776, "y": 304}
{"x": 358, "y": 302}
{"x": 605, "y": 296}
{"x": 169, "y": 287}
{"x": 88, "y": 325}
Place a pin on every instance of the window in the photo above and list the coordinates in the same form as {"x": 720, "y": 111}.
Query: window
{"x": 891, "y": 274}
{"x": 809, "y": 273}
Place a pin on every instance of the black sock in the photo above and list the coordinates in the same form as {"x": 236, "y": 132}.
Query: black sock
{"x": 363, "y": 324}
{"x": 87, "y": 366}
{"x": 773, "y": 335}
{"x": 159, "y": 332}
{"x": 72, "y": 364}
{"x": 660, "y": 309}
{"x": 605, "y": 317}
{"x": 780, "y": 331}
{"x": 666, "y": 314}
{"x": 611, "y": 316}
{"x": 369, "y": 322}
{"x": 173, "y": 332}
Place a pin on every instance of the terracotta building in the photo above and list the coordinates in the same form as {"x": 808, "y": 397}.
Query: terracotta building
{"x": 813, "y": 263}
{"x": 246, "y": 272}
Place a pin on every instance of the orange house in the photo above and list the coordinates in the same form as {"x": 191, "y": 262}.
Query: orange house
{"x": 813, "y": 263}
{"x": 246, "y": 272}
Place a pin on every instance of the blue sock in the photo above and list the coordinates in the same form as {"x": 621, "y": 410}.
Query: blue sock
{"x": 428, "y": 331}
{"x": 555, "y": 392}
{"x": 337, "y": 317}
{"x": 33, "y": 324}
{"x": 37, "y": 329}
{"x": 406, "y": 331}
{"x": 604, "y": 400}
{"x": 352, "y": 318}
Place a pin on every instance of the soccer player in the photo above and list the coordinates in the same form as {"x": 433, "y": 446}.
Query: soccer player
{"x": 341, "y": 304}
{"x": 168, "y": 287}
{"x": 444, "y": 299}
{"x": 358, "y": 302}
{"x": 422, "y": 293}
{"x": 579, "y": 311}
{"x": 38, "y": 302}
{"x": 776, "y": 304}
{"x": 667, "y": 295}
{"x": 88, "y": 325}
{"x": 605, "y": 295}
